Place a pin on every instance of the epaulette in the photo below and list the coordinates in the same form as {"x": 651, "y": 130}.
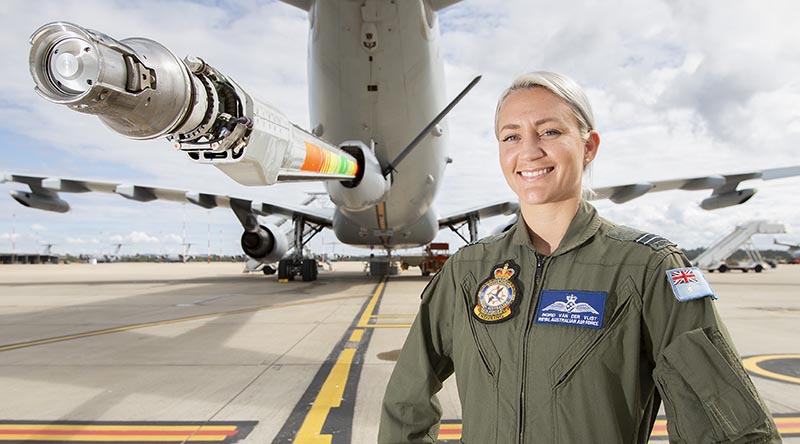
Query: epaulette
{"x": 654, "y": 241}
{"x": 485, "y": 240}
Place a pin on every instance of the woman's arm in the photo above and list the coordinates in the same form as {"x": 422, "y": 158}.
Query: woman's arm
{"x": 411, "y": 412}
{"x": 707, "y": 394}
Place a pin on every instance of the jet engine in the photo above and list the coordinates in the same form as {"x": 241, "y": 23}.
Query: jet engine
{"x": 141, "y": 90}
{"x": 46, "y": 202}
{"x": 266, "y": 244}
{"x": 727, "y": 199}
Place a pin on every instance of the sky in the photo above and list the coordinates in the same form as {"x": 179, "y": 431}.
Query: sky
{"x": 679, "y": 89}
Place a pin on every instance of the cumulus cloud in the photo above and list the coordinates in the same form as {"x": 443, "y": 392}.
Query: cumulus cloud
{"x": 82, "y": 241}
{"x": 679, "y": 89}
{"x": 134, "y": 237}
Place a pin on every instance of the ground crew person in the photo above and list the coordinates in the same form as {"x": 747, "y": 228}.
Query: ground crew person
{"x": 568, "y": 328}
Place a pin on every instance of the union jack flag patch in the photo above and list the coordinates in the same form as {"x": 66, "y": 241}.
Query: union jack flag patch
{"x": 689, "y": 283}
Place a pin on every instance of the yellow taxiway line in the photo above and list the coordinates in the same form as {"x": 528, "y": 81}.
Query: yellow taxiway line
{"x": 751, "y": 364}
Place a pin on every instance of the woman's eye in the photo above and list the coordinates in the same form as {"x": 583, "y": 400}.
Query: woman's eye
{"x": 550, "y": 133}
{"x": 510, "y": 137}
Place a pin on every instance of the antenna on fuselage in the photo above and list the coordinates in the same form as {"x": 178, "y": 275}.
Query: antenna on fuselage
{"x": 388, "y": 169}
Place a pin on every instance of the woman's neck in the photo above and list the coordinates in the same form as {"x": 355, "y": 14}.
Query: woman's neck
{"x": 547, "y": 224}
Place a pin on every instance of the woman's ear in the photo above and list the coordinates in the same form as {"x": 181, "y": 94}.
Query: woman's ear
{"x": 590, "y": 146}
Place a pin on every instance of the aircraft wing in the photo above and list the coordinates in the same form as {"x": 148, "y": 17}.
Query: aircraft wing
{"x": 724, "y": 194}
{"x": 44, "y": 195}
{"x": 481, "y": 212}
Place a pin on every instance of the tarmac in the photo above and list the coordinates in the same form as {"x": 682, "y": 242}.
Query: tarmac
{"x": 201, "y": 352}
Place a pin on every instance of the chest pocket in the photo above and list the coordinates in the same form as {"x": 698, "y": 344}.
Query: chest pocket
{"x": 480, "y": 334}
{"x": 577, "y": 344}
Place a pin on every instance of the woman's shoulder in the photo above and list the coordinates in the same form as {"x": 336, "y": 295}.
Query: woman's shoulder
{"x": 636, "y": 239}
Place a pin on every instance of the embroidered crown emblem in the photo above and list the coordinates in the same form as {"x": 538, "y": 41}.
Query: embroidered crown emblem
{"x": 503, "y": 273}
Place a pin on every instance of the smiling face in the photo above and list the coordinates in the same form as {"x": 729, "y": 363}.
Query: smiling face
{"x": 542, "y": 151}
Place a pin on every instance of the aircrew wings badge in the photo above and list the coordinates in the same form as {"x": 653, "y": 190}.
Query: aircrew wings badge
{"x": 689, "y": 283}
{"x": 498, "y": 295}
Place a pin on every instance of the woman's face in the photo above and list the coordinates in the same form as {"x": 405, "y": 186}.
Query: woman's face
{"x": 542, "y": 153}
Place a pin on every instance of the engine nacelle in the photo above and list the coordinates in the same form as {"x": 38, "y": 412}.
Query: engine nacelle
{"x": 41, "y": 201}
{"x": 369, "y": 187}
{"x": 728, "y": 199}
{"x": 267, "y": 244}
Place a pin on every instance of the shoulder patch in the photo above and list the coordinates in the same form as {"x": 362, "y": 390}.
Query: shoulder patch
{"x": 689, "y": 283}
{"x": 627, "y": 234}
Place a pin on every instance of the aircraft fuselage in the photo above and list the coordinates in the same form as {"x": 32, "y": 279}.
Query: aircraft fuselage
{"x": 376, "y": 75}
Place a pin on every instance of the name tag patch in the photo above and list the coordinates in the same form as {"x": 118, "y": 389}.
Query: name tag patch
{"x": 568, "y": 307}
{"x": 689, "y": 283}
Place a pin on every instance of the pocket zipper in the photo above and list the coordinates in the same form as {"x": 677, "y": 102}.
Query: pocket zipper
{"x": 592, "y": 346}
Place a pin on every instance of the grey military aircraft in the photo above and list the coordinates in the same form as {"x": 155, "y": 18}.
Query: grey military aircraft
{"x": 378, "y": 137}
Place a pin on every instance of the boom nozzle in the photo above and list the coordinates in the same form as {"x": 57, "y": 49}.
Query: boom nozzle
{"x": 135, "y": 86}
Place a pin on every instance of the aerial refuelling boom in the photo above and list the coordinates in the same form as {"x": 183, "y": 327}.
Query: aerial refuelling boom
{"x": 139, "y": 89}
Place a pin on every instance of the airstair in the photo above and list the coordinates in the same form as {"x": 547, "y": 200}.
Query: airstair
{"x": 714, "y": 257}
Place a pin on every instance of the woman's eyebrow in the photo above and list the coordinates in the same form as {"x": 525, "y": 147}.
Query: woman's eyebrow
{"x": 545, "y": 120}
{"x": 515, "y": 126}
{"x": 509, "y": 126}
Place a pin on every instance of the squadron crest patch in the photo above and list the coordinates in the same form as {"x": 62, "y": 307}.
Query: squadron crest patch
{"x": 498, "y": 295}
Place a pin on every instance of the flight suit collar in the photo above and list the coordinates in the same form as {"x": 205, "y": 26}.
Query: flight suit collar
{"x": 583, "y": 226}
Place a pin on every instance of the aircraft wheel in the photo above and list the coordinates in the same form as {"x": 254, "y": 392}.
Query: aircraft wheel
{"x": 283, "y": 269}
{"x": 308, "y": 268}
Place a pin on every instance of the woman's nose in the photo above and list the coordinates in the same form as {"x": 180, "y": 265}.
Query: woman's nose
{"x": 531, "y": 148}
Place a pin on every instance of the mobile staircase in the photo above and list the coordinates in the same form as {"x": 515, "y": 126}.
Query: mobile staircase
{"x": 713, "y": 259}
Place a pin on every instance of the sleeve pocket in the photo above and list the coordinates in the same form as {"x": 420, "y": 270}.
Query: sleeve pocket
{"x": 708, "y": 396}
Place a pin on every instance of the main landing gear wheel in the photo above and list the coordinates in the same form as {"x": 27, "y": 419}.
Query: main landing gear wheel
{"x": 284, "y": 270}
{"x": 309, "y": 270}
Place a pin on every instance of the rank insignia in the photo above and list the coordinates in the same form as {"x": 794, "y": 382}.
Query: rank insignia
{"x": 689, "y": 283}
{"x": 498, "y": 295}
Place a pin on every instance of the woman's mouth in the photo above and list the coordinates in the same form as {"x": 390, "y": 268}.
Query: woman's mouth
{"x": 534, "y": 174}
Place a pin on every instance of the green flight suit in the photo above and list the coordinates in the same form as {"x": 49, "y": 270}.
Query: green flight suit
{"x": 525, "y": 382}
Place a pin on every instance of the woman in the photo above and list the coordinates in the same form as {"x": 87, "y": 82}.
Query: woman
{"x": 568, "y": 328}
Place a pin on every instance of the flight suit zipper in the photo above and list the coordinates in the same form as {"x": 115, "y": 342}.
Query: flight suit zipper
{"x": 536, "y": 283}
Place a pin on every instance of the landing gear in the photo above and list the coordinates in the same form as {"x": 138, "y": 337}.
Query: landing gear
{"x": 306, "y": 269}
{"x": 284, "y": 266}
{"x": 309, "y": 270}
{"x": 295, "y": 265}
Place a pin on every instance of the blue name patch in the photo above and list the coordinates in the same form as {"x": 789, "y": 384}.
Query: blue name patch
{"x": 567, "y": 307}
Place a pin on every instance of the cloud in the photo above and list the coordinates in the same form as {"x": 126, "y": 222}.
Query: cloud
{"x": 9, "y": 236}
{"x": 82, "y": 241}
{"x": 679, "y": 89}
{"x": 135, "y": 237}
{"x": 37, "y": 227}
